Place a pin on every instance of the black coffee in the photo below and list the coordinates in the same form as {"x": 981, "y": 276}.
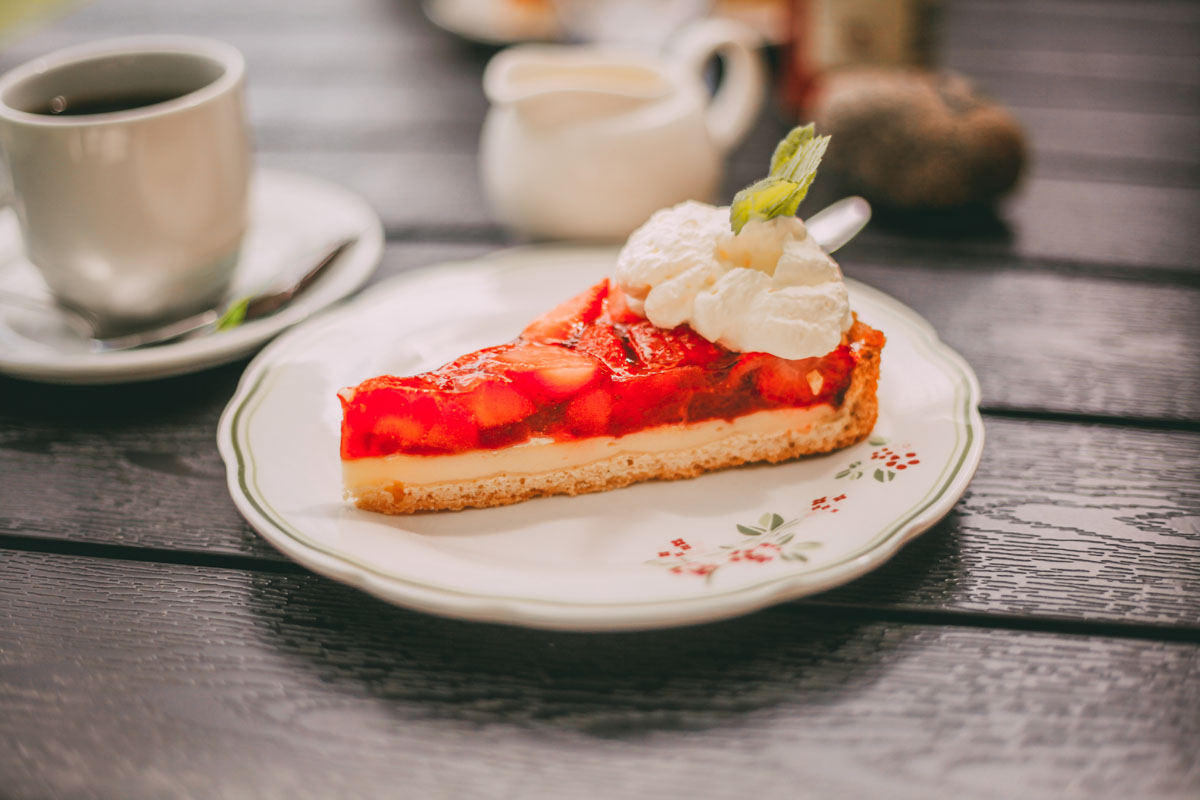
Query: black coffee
{"x": 63, "y": 106}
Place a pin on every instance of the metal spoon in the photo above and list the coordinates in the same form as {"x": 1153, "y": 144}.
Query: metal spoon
{"x": 838, "y": 223}
{"x": 224, "y": 317}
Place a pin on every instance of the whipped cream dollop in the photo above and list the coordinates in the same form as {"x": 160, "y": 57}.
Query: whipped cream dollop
{"x": 770, "y": 288}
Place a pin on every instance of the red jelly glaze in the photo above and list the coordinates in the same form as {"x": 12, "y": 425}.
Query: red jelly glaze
{"x": 590, "y": 367}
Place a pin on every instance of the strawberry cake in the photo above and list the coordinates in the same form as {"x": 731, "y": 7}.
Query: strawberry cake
{"x": 714, "y": 345}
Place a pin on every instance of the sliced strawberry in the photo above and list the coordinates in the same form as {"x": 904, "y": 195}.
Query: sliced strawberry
{"x": 565, "y": 322}
{"x": 406, "y": 420}
{"x": 546, "y": 372}
{"x": 644, "y": 399}
{"x": 784, "y": 382}
{"x": 506, "y": 435}
{"x": 495, "y": 402}
{"x": 602, "y": 342}
{"x": 616, "y": 309}
{"x": 400, "y": 428}
{"x": 588, "y": 368}
{"x": 701, "y": 352}
{"x": 372, "y": 414}
{"x": 412, "y": 418}
{"x": 452, "y": 426}
{"x": 741, "y": 376}
{"x": 836, "y": 369}
{"x": 466, "y": 372}
{"x": 656, "y": 348}
{"x": 587, "y": 414}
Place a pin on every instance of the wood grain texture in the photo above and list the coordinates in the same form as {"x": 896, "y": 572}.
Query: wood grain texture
{"x": 1169, "y": 29}
{"x": 1055, "y": 342}
{"x": 204, "y": 683}
{"x": 1110, "y": 135}
{"x": 1145, "y": 67}
{"x": 182, "y": 657}
{"x": 1062, "y": 520}
{"x": 1088, "y": 92}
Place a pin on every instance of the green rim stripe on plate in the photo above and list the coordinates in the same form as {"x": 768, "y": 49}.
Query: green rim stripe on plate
{"x": 272, "y": 515}
{"x": 247, "y": 481}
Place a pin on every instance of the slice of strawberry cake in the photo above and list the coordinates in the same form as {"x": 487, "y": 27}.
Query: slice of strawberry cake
{"x": 712, "y": 348}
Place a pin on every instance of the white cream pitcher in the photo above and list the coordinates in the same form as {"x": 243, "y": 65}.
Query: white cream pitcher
{"x": 585, "y": 142}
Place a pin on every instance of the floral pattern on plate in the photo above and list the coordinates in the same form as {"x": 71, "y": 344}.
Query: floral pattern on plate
{"x": 772, "y": 537}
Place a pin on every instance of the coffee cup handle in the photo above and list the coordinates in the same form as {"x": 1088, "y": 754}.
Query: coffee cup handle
{"x": 736, "y": 104}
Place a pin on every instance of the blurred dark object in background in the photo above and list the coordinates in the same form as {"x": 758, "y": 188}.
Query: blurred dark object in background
{"x": 905, "y": 135}
{"x": 827, "y": 35}
{"x": 916, "y": 139}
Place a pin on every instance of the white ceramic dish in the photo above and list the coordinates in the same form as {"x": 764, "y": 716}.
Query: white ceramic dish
{"x": 494, "y": 22}
{"x": 503, "y": 22}
{"x": 291, "y": 217}
{"x": 651, "y": 555}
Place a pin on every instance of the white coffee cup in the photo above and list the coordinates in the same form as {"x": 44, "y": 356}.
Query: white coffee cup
{"x": 135, "y": 215}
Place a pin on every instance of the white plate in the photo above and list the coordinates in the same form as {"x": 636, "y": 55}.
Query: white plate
{"x": 291, "y": 217}
{"x": 495, "y": 22}
{"x": 502, "y": 22}
{"x": 651, "y": 555}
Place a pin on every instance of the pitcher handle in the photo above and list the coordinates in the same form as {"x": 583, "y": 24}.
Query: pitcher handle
{"x": 736, "y": 104}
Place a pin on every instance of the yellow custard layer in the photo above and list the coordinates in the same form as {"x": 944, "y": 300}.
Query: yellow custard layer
{"x": 546, "y": 455}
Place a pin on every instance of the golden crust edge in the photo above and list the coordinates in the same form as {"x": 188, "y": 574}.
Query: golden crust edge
{"x": 851, "y": 424}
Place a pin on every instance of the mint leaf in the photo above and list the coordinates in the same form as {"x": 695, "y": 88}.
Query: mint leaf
{"x": 234, "y": 315}
{"x": 788, "y": 145}
{"x": 793, "y": 167}
{"x": 770, "y": 197}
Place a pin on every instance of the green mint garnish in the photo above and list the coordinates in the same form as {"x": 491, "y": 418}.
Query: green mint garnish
{"x": 234, "y": 315}
{"x": 793, "y": 167}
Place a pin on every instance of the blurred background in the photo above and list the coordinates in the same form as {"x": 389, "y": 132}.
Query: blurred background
{"x": 1086, "y": 109}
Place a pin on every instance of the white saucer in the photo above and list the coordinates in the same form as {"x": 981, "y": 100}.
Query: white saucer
{"x": 291, "y": 217}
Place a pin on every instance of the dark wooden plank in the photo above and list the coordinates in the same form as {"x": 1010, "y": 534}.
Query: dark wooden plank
{"x": 410, "y": 190}
{"x": 1116, "y": 11}
{"x": 1108, "y": 135}
{"x": 1148, "y": 67}
{"x": 1086, "y": 92}
{"x": 1069, "y": 521}
{"x": 1065, "y": 520}
{"x": 1140, "y": 170}
{"x": 387, "y": 122}
{"x": 1089, "y": 224}
{"x": 1054, "y": 342}
{"x": 1106, "y": 223}
{"x": 1170, "y": 29}
{"x": 166, "y": 681}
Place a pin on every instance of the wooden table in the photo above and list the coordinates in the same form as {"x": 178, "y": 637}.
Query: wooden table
{"x": 1042, "y": 641}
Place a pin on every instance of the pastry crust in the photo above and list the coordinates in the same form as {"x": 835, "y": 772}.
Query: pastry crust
{"x": 849, "y": 424}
